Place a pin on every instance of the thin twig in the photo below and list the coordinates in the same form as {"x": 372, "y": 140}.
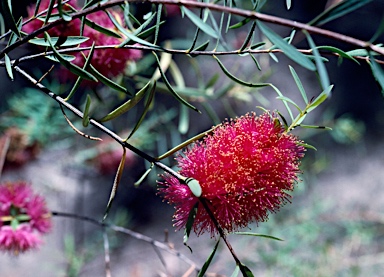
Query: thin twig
{"x": 214, "y": 7}
{"x": 131, "y": 233}
{"x": 107, "y": 258}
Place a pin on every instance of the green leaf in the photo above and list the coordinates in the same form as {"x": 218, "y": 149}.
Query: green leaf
{"x": 246, "y": 270}
{"x": 63, "y": 14}
{"x": 8, "y": 66}
{"x": 236, "y": 271}
{"x": 90, "y": 3}
{"x": 116, "y": 182}
{"x": 100, "y": 28}
{"x": 194, "y": 186}
{"x": 320, "y": 99}
{"x": 286, "y": 99}
{"x": 189, "y": 224}
{"x": 338, "y": 51}
{"x": 378, "y": 72}
{"x": 86, "y": 111}
{"x": 183, "y": 120}
{"x": 288, "y": 3}
{"x": 307, "y": 146}
{"x": 66, "y": 57}
{"x": 106, "y": 81}
{"x": 324, "y": 79}
{"x": 49, "y": 11}
{"x": 314, "y": 127}
{"x": 237, "y": 80}
{"x": 146, "y": 108}
{"x": 70, "y": 66}
{"x": 7, "y": 13}
{"x": 69, "y": 41}
{"x": 128, "y": 104}
{"x": 240, "y": 24}
{"x": 338, "y": 10}
{"x": 202, "y": 47}
{"x": 209, "y": 260}
{"x": 289, "y": 50}
{"x": 170, "y": 88}
{"x": 13, "y": 37}
{"x": 248, "y": 38}
{"x": 137, "y": 183}
{"x": 299, "y": 84}
{"x": 285, "y": 103}
{"x": 199, "y": 22}
{"x": 258, "y": 235}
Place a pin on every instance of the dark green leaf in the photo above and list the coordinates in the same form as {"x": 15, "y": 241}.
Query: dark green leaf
{"x": 106, "y": 81}
{"x": 37, "y": 8}
{"x": 285, "y": 103}
{"x": 128, "y": 104}
{"x": 256, "y": 62}
{"x": 257, "y": 235}
{"x": 90, "y": 3}
{"x": 202, "y": 47}
{"x": 183, "y": 119}
{"x": 86, "y": 111}
{"x": 64, "y": 56}
{"x": 189, "y": 224}
{"x": 307, "y": 146}
{"x": 248, "y": 38}
{"x": 246, "y": 270}
{"x": 146, "y": 108}
{"x": 7, "y": 13}
{"x": 170, "y": 88}
{"x": 69, "y": 41}
{"x": 286, "y": 99}
{"x": 13, "y": 37}
{"x": 323, "y": 74}
{"x": 240, "y": 24}
{"x": 209, "y": 260}
{"x": 49, "y": 11}
{"x": 289, "y": 50}
{"x": 378, "y": 72}
{"x": 338, "y": 10}
{"x": 62, "y": 13}
{"x": 314, "y": 127}
{"x": 100, "y": 28}
{"x": 237, "y": 80}
{"x": 199, "y": 23}
{"x": 70, "y": 66}
{"x": 8, "y": 66}
{"x": 137, "y": 183}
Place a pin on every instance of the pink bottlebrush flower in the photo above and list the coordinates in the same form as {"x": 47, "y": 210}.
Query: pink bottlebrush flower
{"x": 245, "y": 169}
{"x": 23, "y": 217}
{"x": 109, "y": 62}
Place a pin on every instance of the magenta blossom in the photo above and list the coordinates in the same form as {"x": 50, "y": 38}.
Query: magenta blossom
{"x": 109, "y": 62}
{"x": 245, "y": 169}
{"x": 23, "y": 217}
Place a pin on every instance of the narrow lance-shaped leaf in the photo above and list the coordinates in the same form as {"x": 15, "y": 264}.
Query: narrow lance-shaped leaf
{"x": 146, "y": 108}
{"x": 378, "y": 72}
{"x": 128, "y": 104}
{"x": 248, "y": 38}
{"x": 100, "y": 28}
{"x": 170, "y": 88}
{"x": 245, "y": 270}
{"x": 338, "y": 10}
{"x": 8, "y": 66}
{"x": 86, "y": 111}
{"x": 299, "y": 84}
{"x": 236, "y": 271}
{"x": 13, "y": 37}
{"x": 69, "y": 41}
{"x": 106, "y": 81}
{"x": 199, "y": 22}
{"x": 237, "y": 80}
{"x": 289, "y": 50}
{"x": 137, "y": 183}
{"x": 320, "y": 99}
{"x": 338, "y": 51}
{"x": 80, "y": 78}
{"x": 324, "y": 79}
{"x": 285, "y": 103}
{"x": 189, "y": 224}
{"x": 7, "y": 13}
{"x": 286, "y": 99}
{"x": 209, "y": 260}
{"x": 49, "y": 11}
{"x": 62, "y": 13}
{"x": 257, "y": 235}
{"x": 116, "y": 182}
{"x": 70, "y": 66}
{"x": 240, "y": 24}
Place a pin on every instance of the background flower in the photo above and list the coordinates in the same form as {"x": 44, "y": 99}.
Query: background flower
{"x": 23, "y": 217}
{"x": 109, "y": 62}
{"x": 245, "y": 169}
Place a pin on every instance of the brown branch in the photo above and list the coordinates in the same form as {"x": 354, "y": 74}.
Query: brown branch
{"x": 214, "y": 7}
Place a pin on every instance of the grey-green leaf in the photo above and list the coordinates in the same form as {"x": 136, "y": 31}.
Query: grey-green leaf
{"x": 8, "y": 66}
{"x": 199, "y": 22}
{"x": 378, "y": 72}
{"x": 258, "y": 235}
{"x": 289, "y": 50}
{"x": 194, "y": 186}
{"x": 69, "y": 41}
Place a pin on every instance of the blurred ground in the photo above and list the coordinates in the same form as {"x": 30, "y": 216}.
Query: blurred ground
{"x": 352, "y": 182}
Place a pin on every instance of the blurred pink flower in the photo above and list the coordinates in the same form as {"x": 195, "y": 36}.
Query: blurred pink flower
{"x": 109, "y": 62}
{"x": 23, "y": 217}
{"x": 245, "y": 169}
